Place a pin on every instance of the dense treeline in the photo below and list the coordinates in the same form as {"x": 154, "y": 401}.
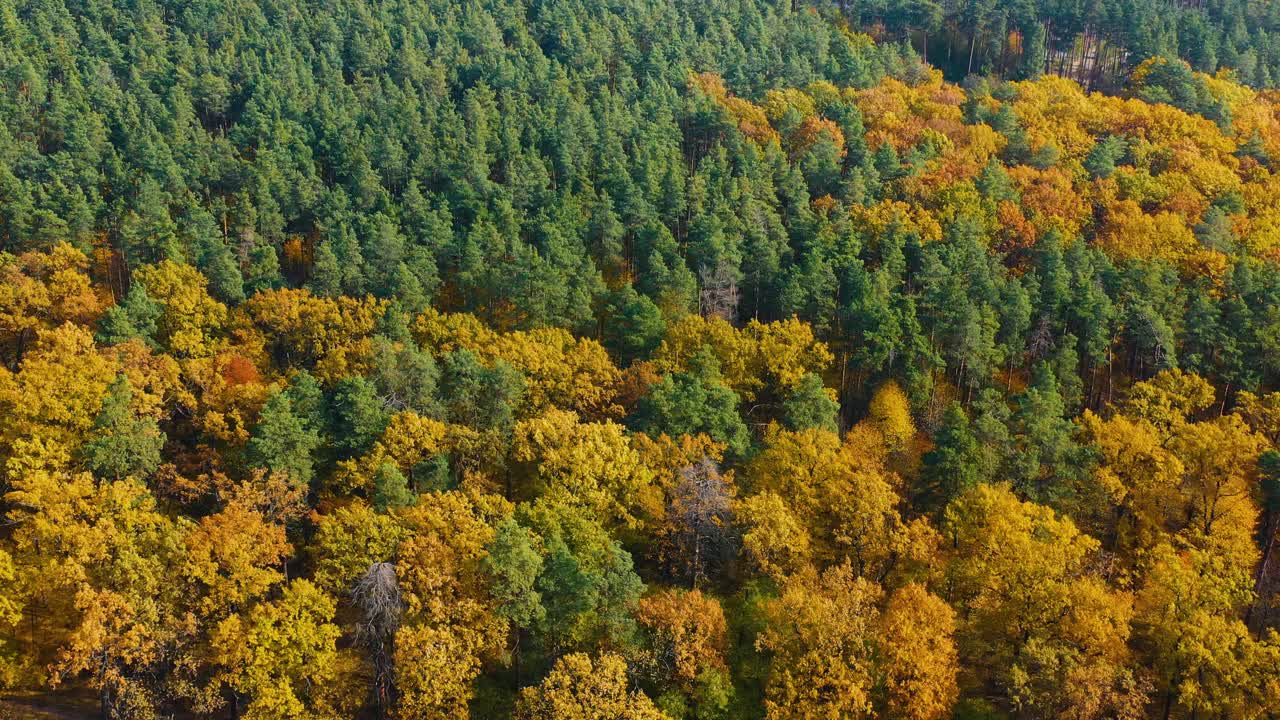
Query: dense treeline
{"x": 1096, "y": 43}
{"x": 572, "y": 359}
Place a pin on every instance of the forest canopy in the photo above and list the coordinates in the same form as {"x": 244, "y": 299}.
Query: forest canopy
{"x": 728, "y": 359}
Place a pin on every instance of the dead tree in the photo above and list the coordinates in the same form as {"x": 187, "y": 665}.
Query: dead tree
{"x": 719, "y": 294}
{"x": 701, "y": 522}
{"x": 377, "y": 596}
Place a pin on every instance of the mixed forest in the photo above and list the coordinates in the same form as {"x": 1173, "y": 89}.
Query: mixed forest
{"x": 641, "y": 359}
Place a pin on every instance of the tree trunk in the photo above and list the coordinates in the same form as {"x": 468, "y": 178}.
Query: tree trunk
{"x": 1262, "y": 569}
{"x": 844, "y": 385}
{"x": 1110, "y": 367}
{"x": 1048, "y": 47}
{"x": 1083, "y": 73}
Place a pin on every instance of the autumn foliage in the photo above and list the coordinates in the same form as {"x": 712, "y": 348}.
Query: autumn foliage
{"x": 630, "y": 361}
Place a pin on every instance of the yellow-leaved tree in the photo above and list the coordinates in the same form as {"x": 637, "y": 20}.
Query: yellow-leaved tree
{"x": 1048, "y": 634}
{"x": 280, "y": 658}
{"x": 232, "y": 559}
{"x": 917, "y": 655}
{"x": 1137, "y": 480}
{"x": 561, "y": 371}
{"x": 760, "y": 358}
{"x": 579, "y": 688}
{"x": 329, "y": 336}
{"x": 845, "y": 500}
{"x": 593, "y": 464}
{"x": 41, "y": 291}
{"x": 688, "y": 638}
{"x": 191, "y": 322}
{"x": 890, "y": 413}
{"x": 349, "y": 540}
{"x": 450, "y": 624}
{"x": 820, "y": 634}
{"x": 92, "y": 571}
{"x": 49, "y": 405}
{"x": 772, "y": 537}
{"x": 1206, "y": 659}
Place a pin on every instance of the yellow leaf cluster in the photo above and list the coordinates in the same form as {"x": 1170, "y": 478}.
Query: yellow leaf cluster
{"x": 690, "y": 635}
{"x": 191, "y": 323}
{"x": 752, "y": 120}
{"x": 50, "y": 403}
{"x": 760, "y": 357}
{"x": 589, "y": 463}
{"x": 560, "y": 371}
{"x": 579, "y": 688}
{"x": 844, "y": 503}
{"x": 331, "y": 336}
{"x": 40, "y": 291}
